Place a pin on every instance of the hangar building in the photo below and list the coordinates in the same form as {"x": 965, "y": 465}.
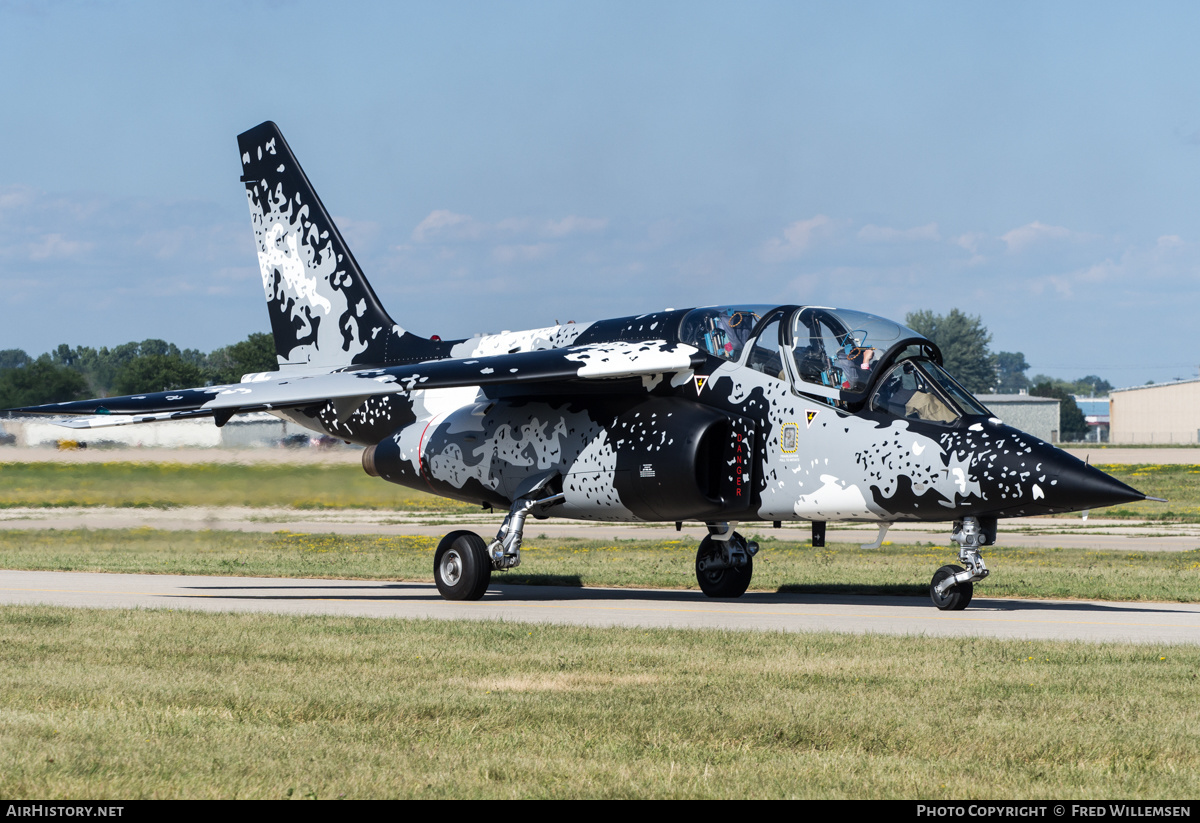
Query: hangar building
{"x": 1038, "y": 416}
{"x": 1160, "y": 413}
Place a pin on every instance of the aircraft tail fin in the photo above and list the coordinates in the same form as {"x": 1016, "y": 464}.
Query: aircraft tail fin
{"x": 323, "y": 311}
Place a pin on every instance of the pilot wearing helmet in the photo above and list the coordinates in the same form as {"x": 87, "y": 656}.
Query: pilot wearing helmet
{"x": 727, "y": 332}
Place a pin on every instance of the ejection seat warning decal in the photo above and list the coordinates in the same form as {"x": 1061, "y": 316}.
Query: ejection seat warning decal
{"x": 789, "y": 438}
{"x": 700, "y": 380}
{"x": 809, "y": 414}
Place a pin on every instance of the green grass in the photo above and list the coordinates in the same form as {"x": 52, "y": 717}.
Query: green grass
{"x": 165, "y": 485}
{"x": 132, "y": 704}
{"x": 1081, "y": 445}
{"x": 1179, "y": 484}
{"x": 895, "y": 569}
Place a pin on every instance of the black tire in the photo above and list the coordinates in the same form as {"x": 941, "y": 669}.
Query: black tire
{"x": 723, "y": 582}
{"x": 461, "y": 566}
{"x": 957, "y": 597}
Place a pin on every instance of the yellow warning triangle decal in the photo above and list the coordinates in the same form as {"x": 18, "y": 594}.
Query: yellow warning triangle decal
{"x": 700, "y": 379}
{"x": 809, "y": 414}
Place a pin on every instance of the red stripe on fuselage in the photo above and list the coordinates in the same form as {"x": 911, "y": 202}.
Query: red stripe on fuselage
{"x": 421, "y": 449}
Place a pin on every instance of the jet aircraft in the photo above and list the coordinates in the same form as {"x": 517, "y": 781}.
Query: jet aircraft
{"x": 728, "y": 414}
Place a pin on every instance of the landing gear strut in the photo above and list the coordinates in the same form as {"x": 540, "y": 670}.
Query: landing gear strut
{"x": 953, "y": 586}
{"x": 505, "y": 549}
{"x": 724, "y": 562}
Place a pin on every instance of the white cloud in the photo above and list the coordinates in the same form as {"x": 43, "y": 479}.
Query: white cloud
{"x": 359, "y": 234}
{"x": 970, "y": 242}
{"x": 442, "y": 224}
{"x": 1025, "y": 236}
{"x": 1170, "y": 259}
{"x": 575, "y": 225}
{"x": 885, "y": 234}
{"x": 56, "y": 246}
{"x": 15, "y": 197}
{"x": 1058, "y": 284}
{"x": 445, "y": 226}
{"x": 552, "y": 228}
{"x": 165, "y": 243}
{"x": 798, "y": 238}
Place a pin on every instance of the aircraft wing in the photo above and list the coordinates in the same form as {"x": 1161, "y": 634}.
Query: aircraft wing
{"x": 277, "y": 390}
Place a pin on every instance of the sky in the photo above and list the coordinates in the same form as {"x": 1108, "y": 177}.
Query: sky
{"x": 509, "y": 165}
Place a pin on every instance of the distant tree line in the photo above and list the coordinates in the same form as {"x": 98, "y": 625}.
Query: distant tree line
{"x": 964, "y": 343}
{"x": 149, "y": 366}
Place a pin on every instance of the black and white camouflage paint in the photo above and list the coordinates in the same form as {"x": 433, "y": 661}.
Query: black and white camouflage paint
{"x": 323, "y": 311}
{"x": 629, "y": 418}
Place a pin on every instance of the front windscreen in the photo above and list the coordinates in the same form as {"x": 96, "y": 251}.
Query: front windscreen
{"x": 922, "y": 390}
{"x": 908, "y": 392}
{"x": 950, "y": 386}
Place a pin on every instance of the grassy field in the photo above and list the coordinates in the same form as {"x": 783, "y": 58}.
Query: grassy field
{"x": 1178, "y": 483}
{"x": 131, "y": 704}
{"x": 164, "y": 485}
{"x": 346, "y": 486}
{"x": 896, "y": 569}
{"x": 175, "y": 704}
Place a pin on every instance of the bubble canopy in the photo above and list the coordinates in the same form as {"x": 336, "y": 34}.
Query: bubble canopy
{"x": 864, "y": 329}
{"x": 824, "y": 351}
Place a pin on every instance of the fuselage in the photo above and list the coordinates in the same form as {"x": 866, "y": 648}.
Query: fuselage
{"x": 794, "y": 416}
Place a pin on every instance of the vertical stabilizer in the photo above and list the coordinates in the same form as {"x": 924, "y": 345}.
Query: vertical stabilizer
{"x": 323, "y": 311}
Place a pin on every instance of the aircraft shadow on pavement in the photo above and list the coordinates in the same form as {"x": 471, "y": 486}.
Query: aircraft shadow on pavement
{"x": 568, "y": 588}
{"x": 1125, "y": 607}
{"x": 372, "y": 591}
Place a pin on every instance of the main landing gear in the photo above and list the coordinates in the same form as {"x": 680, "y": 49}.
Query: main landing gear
{"x": 461, "y": 566}
{"x": 952, "y": 586}
{"x": 724, "y": 561}
{"x": 463, "y": 563}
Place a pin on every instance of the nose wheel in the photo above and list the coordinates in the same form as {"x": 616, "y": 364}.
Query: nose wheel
{"x": 957, "y": 597}
{"x": 953, "y": 586}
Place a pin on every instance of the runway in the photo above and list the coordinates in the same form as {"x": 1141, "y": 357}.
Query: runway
{"x": 1150, "y": 623}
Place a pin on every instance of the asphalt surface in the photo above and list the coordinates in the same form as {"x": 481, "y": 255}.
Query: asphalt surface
{"x": 1066, "y": 532}
{"x": 1152, "y": 623}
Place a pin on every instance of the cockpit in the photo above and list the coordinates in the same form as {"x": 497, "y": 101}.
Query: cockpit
{"x": 847, "y": 359}
{"x": 722, "y": 331}
{"x": 923, "y": 390}
{"x": 837, "y": 349}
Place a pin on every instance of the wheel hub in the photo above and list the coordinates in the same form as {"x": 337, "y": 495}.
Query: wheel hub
{"x": 451, "y": 567}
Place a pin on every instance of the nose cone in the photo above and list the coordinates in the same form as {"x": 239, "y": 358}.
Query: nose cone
{"x": 1081, "y": 486}
{"x": 1020, "y": 476}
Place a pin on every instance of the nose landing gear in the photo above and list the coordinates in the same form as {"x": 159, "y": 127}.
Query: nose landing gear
{"x": 953, "y": 586}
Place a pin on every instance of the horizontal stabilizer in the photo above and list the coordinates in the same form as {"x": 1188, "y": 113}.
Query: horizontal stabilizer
{"x": 109, "y": 420}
